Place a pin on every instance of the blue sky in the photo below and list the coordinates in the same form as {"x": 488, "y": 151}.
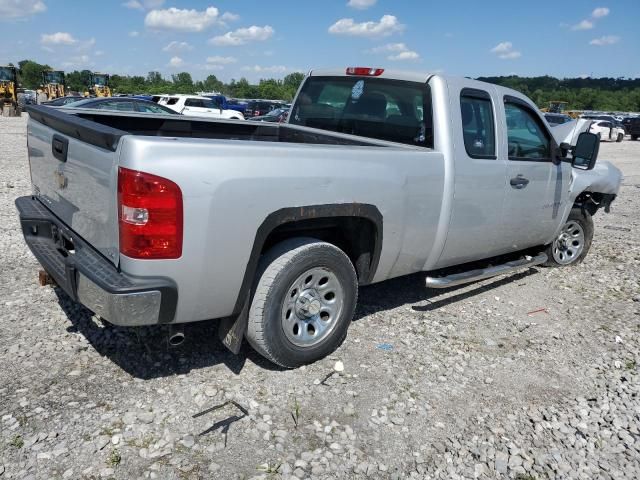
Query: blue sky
{"x": 261, "y": 38}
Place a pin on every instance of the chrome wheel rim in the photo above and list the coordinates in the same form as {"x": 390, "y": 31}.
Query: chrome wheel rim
{"x": 311, "y": 307}
{"x": 568, "y": 246}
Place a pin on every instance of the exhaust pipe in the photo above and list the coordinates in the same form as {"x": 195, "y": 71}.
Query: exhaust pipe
{"x": 176, "y": 335}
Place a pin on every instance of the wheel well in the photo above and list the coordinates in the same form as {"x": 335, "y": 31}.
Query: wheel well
{"x": 592, "y": 201}
{"x": 358, "y": 237}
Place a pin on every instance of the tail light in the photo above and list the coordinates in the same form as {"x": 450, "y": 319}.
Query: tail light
{"x": 365, "y": 71}
{"x": 149, "y": 215}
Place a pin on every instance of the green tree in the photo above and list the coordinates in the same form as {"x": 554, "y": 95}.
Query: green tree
{"x": 30, "y": 73}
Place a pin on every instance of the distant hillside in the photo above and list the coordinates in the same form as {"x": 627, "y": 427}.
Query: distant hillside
{"x": 608, "y": 94}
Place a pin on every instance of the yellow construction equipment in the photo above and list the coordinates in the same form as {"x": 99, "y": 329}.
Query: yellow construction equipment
{"x": 8, "y": 91}
{"x": 98, "y": 85}
{"x": 53, "y": 83}
{"x": 555, "y": 106}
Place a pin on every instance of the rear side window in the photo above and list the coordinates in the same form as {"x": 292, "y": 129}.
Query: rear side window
{"x": 172, "y": 101}
{"x": 119, "y": 106}
{"x": 528, "y": 139}
{"x": 478, "y": 126}
{"x": 379, "y": 108}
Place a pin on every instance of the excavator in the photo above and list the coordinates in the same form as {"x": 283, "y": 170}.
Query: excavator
{"x": 98, "y": 85}
{"x": 8, "y": 91}
{"x": 559, "y": 106}
{"x": 53, "y": 83}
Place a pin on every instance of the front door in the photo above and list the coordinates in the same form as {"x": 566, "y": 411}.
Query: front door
{"x": 537, "y": 181}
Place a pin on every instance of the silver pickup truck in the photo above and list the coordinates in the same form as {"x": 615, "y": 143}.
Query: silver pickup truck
{"x": 148, "y": 219}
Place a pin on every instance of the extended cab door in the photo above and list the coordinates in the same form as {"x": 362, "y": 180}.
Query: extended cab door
{"x": 538, "y": 181}
{"x": 480, "y": 174}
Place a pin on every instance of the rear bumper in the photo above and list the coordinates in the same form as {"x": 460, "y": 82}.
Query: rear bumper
{"x": 89, "y": 278}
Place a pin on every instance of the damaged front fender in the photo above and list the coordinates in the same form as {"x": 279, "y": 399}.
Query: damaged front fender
{"x": 593, "y": 189}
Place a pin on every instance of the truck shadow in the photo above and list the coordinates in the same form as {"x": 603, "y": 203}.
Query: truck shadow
{"x": 412, "y": 289}
{"x": 145, "y": 353}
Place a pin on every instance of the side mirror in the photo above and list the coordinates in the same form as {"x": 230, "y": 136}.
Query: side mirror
{"x": 585, "y": 153}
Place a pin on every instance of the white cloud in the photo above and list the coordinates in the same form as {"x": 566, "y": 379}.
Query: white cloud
{"x": 600, "y": 12}
{"x": 182, "y": 20}
{"x": 20, "y": 8}
{"x": 270, "y": 69}
{"x": 505, "y": 51}
{"x": 143, "y": 4}
{"x": 398, "y": 52}
{"x": 388, "y": 25}
{"x": 403, "y": 56}
{"x": 510, "y": 55}
{"x": 229, "y": 17}
{"x": 583, "y": 25}
{"x": 605, "y": 40}
{"x": 77, "y": 62}
{"x": 134, "y": 33}
{"x": 361, "y": 4}
{"x": 86, "y": 45}
{"x": 175, "y": 46}
{"x": 221, "y": 60}
{"x": 175, "y": 62}
{"x": 58, "y": 38}
{"x": 242, "y": 36}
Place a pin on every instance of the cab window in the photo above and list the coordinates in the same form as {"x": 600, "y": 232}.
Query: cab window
{"x": 527, "y": 138}
{"x": 478, "y": 126}
{"x": 384, "y": 109}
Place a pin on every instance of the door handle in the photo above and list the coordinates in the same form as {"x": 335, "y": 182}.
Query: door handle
{"x": 519, "y": 182}
{"x": 60, "y": 147}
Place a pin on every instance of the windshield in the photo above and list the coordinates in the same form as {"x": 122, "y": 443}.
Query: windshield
{"x": 393, "y": 110}
{"x": 100, "y": 80}
{"x": 6, "y": 74}
{"x": 54, "y": 77}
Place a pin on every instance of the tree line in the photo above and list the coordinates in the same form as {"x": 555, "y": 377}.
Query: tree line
{"x": 30, "y": 77}
{"x": 604, "y": 94}
{"x": 608, "y": 94}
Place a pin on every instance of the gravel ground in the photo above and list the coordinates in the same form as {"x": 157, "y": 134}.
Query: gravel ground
{"x": 530, "y": 376}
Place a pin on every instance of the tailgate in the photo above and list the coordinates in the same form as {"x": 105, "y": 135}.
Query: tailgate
{"x": 74, "y": 166}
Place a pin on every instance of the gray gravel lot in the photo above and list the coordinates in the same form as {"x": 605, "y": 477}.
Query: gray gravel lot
{"x": 465, "y": 383}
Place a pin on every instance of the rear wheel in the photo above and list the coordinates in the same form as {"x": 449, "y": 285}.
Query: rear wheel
{"x": 634, "y": 137}
{"x": 304, "y": 300}
{"x": 573, "y": 243}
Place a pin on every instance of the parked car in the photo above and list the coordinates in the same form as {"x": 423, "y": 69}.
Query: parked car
{"x": 609, "y": 118}
{"x": 61, "y": 101}
{"x": 632, "y": 127}
{"x": 121, "y": 104}
{"x": 226, "y": 104}
{"x": 607, "y": 131}
{"x": 273, "y": 226}
{"x": 278, "y": 115}
{"x": 557, "y": 118}
{"x": 255, "y": 108}
{"x": 196, "y": 106}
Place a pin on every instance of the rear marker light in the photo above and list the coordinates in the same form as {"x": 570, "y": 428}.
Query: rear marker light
{"x": 365, "y": 71}
{"x": 150, "y": 216}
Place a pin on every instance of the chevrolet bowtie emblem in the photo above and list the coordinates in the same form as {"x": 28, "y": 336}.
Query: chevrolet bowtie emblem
{"x": 61, "y": 180}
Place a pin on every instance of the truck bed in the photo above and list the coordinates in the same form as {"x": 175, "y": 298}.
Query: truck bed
{"x": 104, "y": 129}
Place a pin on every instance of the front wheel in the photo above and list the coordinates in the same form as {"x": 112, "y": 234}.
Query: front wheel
{"x": 620, "y": 137}
{"x": 303, "y": 302}
{"x": 573, "y": 243}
